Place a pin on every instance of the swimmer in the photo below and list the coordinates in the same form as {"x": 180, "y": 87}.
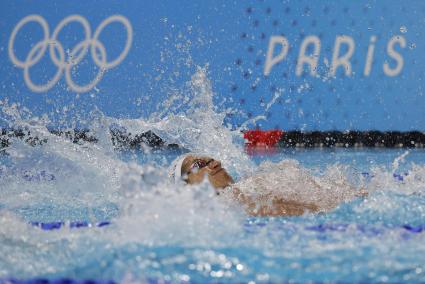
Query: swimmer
{"x": 193, "y": 169}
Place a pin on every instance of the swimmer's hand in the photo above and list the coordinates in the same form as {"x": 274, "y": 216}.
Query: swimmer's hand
{"x": 362, "y": 193}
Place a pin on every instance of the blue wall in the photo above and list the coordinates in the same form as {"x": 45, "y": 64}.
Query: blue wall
{"x": 170, "y": 38}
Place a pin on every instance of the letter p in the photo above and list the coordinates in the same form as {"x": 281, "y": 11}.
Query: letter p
{"x": 270, "y": 60}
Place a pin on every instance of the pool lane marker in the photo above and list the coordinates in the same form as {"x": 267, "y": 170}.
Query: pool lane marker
{"x": 50, "y": 226}
{"x": 55, "y": 281}
{"x": 345, "y": 139}
{"x": 406, "y": 231}
{"x": 396, "y": 176}
{"x": 45, "y": 176}
{"x": 363, "y": 228}
{"x": 321, "y": 228}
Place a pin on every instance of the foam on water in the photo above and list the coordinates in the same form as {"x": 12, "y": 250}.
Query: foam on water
{"x": 172, "y": 232}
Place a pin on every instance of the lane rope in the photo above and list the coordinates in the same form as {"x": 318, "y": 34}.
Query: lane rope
{"x": 55, "y": 281}
{"x": 50, "y": 226}
{"x": 43, "y": 176}
{"x": 250, "y": 226}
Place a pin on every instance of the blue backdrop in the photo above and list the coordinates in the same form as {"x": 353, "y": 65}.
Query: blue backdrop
{"x": 310, "y": 65}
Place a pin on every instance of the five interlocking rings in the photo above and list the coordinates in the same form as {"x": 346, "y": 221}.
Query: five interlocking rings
{"x": 97, "y": 51}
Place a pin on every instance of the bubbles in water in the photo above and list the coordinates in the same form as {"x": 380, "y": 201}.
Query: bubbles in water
{"x": 403, "y": 29}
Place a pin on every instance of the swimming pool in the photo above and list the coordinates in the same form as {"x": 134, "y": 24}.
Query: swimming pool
{"x": 91, "y": 211}
{"x": 160, "y": 233}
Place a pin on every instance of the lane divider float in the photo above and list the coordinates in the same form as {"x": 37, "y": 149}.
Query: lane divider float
{"x": 321, "y": 228}
{"x": 50, "y": 226}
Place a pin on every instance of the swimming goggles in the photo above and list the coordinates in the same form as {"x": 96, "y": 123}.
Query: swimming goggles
{"x": 199, "y": 164}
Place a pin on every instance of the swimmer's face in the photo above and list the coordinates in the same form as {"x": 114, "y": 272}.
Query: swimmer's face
{"x": 195, "y": 168}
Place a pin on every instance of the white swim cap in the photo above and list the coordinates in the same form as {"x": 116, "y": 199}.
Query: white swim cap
{"x": 175, "y": 170}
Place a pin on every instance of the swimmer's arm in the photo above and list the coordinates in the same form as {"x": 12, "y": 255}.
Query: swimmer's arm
{"x": 274, "y": 206}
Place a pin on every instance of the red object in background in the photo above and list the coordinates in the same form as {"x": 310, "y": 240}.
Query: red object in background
{"x": 268, "y": 138}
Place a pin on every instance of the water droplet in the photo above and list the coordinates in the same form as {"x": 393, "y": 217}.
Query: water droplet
{"x": 403, "y": 29}
{"x": 412, "y": 46}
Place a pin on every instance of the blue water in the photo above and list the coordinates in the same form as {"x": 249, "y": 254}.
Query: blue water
{"x": 162, "y": 231}
{"x": 375, "y": 239}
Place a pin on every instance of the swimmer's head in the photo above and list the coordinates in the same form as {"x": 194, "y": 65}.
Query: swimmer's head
{"x": 194, "y": 168}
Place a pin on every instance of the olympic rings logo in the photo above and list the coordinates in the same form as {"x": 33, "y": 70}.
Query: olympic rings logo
{"x": 65, "y": 65}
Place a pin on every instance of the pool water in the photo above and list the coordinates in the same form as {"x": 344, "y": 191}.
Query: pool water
{"x": 161, "y": 231}
{"x": 190, "y": 238}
